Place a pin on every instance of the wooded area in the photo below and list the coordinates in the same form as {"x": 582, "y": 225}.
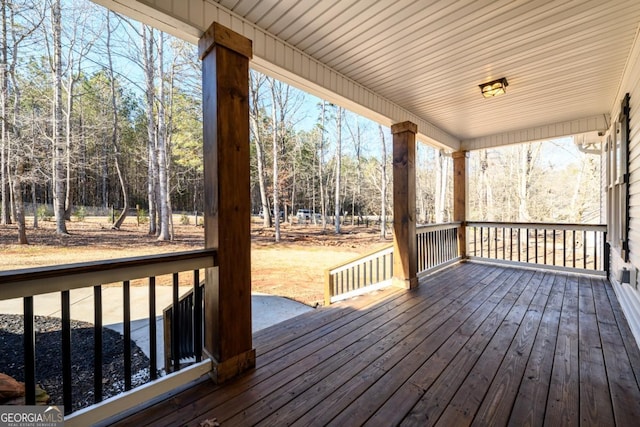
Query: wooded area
{"x": 100, "y": 111}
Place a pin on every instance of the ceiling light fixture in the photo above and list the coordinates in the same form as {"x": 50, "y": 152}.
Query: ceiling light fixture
{"x": 494, "y": 88}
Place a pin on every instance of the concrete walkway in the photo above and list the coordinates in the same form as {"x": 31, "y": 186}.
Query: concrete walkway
{"x": 267, "y": 310}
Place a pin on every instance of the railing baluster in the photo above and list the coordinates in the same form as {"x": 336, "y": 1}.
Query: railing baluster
{"x": 97, "y": 343}
{"x": 554, "y": 248}
{"x": 544, "y": 247}
{"x": 535, "y": 231}
{"x": 67, "y": 396}
{"x": 29, "y": 352}
{"x": 126, "y": 297}
{"x": 504, "y": 244}
{"x": 606, "y": 256}
{"x": 564, "y": 248}
{"x": 175, "y": 324}
{"x": 496, "y": 242}
{"x": 475, "y": 249}
{"x": 197, "y": 316}
{"x": 153, "y": 349}
{"x": 584, "y": 249}
{"x": 511, "y": 244}
{"x": 595, "y": 250}
{"x": 573, "y": 251}
{"x": 432, "y": 252}
{"x": 481, "y": 242}
{"x": 519, "y": 244}
{"x": 419, "y": 251}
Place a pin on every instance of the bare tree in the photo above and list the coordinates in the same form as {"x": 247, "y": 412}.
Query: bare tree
{"x": 338, "y": 168}
{"x": 114, "y": 132}
{"x": 255, "y": 116}
{"x": 5, "y": 217}
{"x": 356, "y": 137}
{"x": 442, "y": 174}
{"x": 59, "y": 176}
{"x": 163, "y": 176}
{"x": 323, "y": 195}
{"x": 274, "y": 137}
{"x": 383, "y": 186}
{"x": 152, "y": 172}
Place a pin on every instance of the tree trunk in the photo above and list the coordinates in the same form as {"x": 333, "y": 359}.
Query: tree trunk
{"x": 5, "y": 206}
{"x": 441, "y": 186}
{"x": 274, "y": 136}
{"x": 383, "y": 187}
{"x": 34, "y": 201}
{"x": 162, "y": 152}
{"x": 254, "y": 116}
{"x": 523, "y": 212}
{"x": 58, "y": 144}
{"x": 323, "y": 198}
{"x": 147, "y": 46}
{"x": 338, "y": 169}
{"x": 19, "y": 204}
{"x": 114, "y": 133}
{"x": 68, "y": 206}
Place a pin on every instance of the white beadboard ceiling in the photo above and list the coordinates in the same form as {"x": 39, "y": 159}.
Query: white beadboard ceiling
{"x": 564, "y": 60}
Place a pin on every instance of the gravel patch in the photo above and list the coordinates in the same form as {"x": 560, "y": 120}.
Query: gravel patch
{"x": 49, "y": 358}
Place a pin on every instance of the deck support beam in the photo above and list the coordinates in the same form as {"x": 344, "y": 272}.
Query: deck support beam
{"x": 405, "y": 262}
{"x": 225, "y": 59}
{"x": 460, "y": 187}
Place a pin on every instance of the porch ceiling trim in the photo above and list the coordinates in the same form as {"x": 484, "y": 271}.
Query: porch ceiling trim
{"x": 599, "y": 123}
{"x": 187, "y": 19}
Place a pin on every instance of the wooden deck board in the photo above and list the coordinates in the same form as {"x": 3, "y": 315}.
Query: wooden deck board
{"x": 530, "y": 402}
{"x": 473, "y": 345}
{"x": 563, "y": 405}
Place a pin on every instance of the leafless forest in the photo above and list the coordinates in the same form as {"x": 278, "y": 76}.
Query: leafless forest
{"x": 100, "y": 111}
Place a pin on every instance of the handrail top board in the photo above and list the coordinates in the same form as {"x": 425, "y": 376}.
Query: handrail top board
{"x": 39, "y": 280}
{"x": 437, "y": 226}
{"x": 538, "y": 225}
{"x": 387, "y": 249}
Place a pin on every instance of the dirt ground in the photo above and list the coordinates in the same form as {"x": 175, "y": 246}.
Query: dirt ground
{"x": 293, "y": 268}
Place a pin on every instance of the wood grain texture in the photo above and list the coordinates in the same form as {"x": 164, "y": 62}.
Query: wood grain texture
{"x": 227, "y": 212}
{"x": 460, "y": 185}
{"x": 474, "y": 344}
{"x": 405, "y": 263}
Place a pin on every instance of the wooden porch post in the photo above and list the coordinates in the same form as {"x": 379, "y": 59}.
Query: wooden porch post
{"x": 460, "y": 198}
{"x": 405, "y": 262}
{"x": 225, "y": 59}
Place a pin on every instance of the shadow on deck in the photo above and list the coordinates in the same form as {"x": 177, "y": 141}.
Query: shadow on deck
{"x": 475, "y": 344}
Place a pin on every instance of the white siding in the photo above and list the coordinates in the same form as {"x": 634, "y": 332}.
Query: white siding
{"x": 631, "y": 84}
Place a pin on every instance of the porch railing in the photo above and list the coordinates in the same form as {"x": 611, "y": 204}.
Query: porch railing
{"x": 184, "y": 328}
{"x": 29, "y": 283}
{"x": 436, "y": 246}
{"x": 572, "y": 247}
{"x": 363, "y": 274}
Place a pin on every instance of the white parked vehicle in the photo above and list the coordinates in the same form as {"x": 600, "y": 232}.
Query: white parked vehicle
{"x": 303, "y": 214}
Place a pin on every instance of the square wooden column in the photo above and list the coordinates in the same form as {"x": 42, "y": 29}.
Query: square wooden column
{"x": 225, "y": 59}
{"x": 405, "y": 262}
{"x": 460, "y": 185}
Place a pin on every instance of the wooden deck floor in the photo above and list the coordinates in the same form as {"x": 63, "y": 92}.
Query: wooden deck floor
{"x": 474, "y": 345}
